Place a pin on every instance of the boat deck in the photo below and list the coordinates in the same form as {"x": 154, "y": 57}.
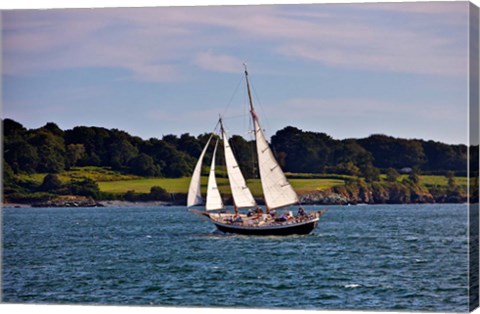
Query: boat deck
{"x": 261, "y": 220}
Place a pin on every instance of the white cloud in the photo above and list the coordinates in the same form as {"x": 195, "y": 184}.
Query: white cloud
{"x": 218, "y": 62}
{"x": 153, "y": 43}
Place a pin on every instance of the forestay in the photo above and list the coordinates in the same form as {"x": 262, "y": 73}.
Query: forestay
{"x": 214, "y": 199}
{"x": 194, "y": 194}
{"x": 242, "y": 197}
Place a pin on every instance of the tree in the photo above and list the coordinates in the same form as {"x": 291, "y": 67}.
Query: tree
{"x": 452, "y": 185}
{"x": 172, "y": 163}
{"x": 158, "y": 193}
{"x": 8, "y": 178}
{"x": 21, "y": 156}
{"x": 348, "y": 168}
{"x": 74, "y": 153}
{"x": 51, "y": 150}
{"x": 189, "y": 145}
{"x": 392, "y": 175}
{"x": 393, "y": 152}
{"x": 85, "y": 187}
{"x": 144, "y": 165}
{"x": 121, "y": 152}
{"x": 414, "y": 175}
{"x": 50, "y": 183}
{"x": 370, "y": 173}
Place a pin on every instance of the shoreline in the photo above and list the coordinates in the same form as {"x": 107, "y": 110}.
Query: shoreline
{"x": 116, "y": 203}
{"x": 113, "y": 203}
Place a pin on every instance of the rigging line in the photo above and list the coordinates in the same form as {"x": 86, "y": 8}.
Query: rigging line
{"x": 265, "y": 116}
{"x": 233, "y": 95}
{"x": 233, "y": 117}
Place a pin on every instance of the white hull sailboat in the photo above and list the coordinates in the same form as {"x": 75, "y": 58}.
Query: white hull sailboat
{"x": 277, "y": 191}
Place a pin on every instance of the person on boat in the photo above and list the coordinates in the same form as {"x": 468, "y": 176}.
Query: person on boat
{"x": 237, "y": 218}
{"x": 284, "y": 217}
{"x": 250, "y": 213}
{"x": 301, "y": 211}
{"x": 257, "y": 213}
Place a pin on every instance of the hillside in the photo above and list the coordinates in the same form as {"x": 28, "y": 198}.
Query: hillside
{"x": 111, "y": 164}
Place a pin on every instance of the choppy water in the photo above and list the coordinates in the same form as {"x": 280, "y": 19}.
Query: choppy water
{"x": 360, "y": 257}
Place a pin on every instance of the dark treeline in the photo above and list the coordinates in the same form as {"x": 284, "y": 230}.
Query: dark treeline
{"x": 301, "y": 151}
{"x": 51, "y": 150}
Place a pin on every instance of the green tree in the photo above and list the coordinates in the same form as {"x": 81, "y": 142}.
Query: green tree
{"x": 158, "y": 193}
{"x": 50, "y": 183}
{"x": 74, "y": 153}
{"x": 9, "y": 180}
{"x": 21, "y": 156}
{"x": 414, "y": 175}
{"x": 392, "y": 175}
{"x": 370, "y": 173}
{"x": 144, "y": 165}
{"x": 121, "y": 152}
{"x": 172, "y": 163}
{"x": 51, "y": 150}
{"x": 348, "y": 168}
{"x": 452, "y": 185}
{"x": 85, "y": 187}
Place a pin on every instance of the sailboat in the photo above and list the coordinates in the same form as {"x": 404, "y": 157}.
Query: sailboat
{"x": 278, "y": 193}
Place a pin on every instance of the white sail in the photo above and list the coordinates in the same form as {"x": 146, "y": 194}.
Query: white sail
{"x": 276, "y": 189}
{"x": 242, "y": 197}
{"x": 194, "y": 194}
{"x": 214, "y": 200}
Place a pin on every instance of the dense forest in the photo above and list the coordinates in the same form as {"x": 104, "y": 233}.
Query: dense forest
{"x": 51, "y": 150}
{"x": 372, "y": 165}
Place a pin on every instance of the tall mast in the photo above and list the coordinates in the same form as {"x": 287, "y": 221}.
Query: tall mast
{"x": 276, "y": 189}
{"x": 252, "y": 110}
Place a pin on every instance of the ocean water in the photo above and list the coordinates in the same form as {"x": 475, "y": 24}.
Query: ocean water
{"x": 395, "y": 257}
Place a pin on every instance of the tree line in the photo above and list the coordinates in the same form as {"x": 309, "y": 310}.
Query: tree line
{"x": 50, "y": 149}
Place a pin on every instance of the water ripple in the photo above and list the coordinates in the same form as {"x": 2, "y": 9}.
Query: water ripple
{"x": 360, "y": 257}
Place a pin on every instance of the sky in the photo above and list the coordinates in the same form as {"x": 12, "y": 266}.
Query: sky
{"x": 348, "y": 70}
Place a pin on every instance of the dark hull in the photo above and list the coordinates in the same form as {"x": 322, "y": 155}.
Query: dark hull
{"x": 282, "y": 230}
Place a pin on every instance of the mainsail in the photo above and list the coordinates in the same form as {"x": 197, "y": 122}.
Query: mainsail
{"x": 242, "y": 197}
{"x": 194, "y": 194}
{"x": 214, "y": 200}
{"x": 276, "y": 189}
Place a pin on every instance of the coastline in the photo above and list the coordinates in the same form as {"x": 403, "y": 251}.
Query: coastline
{"x": 112, "y": 203}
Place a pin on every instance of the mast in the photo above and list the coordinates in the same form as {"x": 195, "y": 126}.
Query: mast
{"x": 252, "y": 111}
{"x": 276, "y": 189}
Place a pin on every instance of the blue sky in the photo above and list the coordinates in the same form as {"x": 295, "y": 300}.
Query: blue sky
{"x": 349, "y": 70}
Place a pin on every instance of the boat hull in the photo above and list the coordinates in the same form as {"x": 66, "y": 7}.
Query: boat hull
{"x": 280, "y": 230}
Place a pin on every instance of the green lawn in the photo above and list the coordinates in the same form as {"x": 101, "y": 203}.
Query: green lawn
{"x": 180, "y": 185}
{"x": 79, "y": 173}
{"x": 442, "y": 181}
{"x": 116, "y": 182}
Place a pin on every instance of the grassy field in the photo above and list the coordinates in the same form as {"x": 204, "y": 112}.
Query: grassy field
{"x": 116, "y": 182}
{"x": 180, "y": 185}
{"x": 433, "y": 181}
{"x": 78, "y": 173}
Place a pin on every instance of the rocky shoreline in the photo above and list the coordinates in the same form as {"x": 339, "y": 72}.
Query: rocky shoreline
{"x": 333, "y": 196}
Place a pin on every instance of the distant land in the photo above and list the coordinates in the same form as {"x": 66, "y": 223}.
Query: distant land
{"x": 84, "y": 166}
